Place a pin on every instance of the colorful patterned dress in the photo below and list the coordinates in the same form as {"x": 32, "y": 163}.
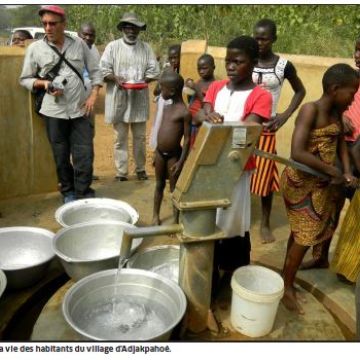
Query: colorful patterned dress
{"x": 309, "y": 200}
{"x": 346, "y": 260}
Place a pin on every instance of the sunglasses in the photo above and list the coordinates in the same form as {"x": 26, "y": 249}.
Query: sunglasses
{"x": 129, "y": 27}
{"x": 50, "y": 23}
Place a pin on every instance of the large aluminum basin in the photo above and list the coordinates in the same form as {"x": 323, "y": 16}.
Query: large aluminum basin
{"x": 88, "y": 210}
{"x": 87, "y": 248}
{"x": 2, "y": 282}
{"x": 132, "y": 305}
{"x": 163, "y": 260}
{"x": 25, "y": 254}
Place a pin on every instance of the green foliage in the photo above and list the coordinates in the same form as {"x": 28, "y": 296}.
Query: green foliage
{"x": 24, "y": 16}
{"x": 324, "y": 30}
{"x": 4, "y": 18}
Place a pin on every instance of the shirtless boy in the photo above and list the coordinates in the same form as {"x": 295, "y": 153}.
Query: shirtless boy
{"x": 175, "y": 124}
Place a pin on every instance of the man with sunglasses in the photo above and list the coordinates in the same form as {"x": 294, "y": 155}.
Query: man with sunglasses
{"x": 128, "y": 65}
{"x": 65, "y": 107}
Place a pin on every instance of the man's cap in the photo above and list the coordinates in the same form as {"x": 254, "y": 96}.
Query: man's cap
{"x": 131, "y": 18}
{"x": 53, "y": 9}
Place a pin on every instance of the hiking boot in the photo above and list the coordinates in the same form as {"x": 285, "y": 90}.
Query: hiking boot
{"x": 69, "y": 197}
{"x": 141, "y": 175}
{"x": 121, "y": 178}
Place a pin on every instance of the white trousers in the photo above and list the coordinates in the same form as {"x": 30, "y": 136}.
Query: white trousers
{"x": 138, "y": 131}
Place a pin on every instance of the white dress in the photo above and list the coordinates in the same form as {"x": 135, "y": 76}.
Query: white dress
{"x": 235, "y": 220}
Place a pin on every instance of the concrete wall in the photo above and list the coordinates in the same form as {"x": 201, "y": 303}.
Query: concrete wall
{"x": 26, "y": 162}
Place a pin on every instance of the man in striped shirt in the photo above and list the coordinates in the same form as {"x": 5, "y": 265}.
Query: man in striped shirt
{"x": 128, "y": 65}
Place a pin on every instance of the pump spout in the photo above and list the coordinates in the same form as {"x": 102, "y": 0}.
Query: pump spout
{"x": 132, "y": 233}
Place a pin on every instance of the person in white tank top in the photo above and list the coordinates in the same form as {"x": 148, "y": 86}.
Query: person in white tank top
{"x": 270, "y": 73}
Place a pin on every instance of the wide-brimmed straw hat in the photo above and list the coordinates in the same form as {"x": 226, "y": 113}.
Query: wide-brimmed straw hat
{"x": 131, "y": 18}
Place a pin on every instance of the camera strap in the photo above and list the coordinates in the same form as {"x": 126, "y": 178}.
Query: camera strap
{"x": 53, "y": 72}
{"x": 63, "y": 58}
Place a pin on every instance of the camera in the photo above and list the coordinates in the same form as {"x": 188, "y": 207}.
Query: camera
{"x": 57, "y": 85}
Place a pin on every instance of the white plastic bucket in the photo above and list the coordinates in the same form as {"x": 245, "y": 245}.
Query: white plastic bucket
{"x": 256, "y": 292}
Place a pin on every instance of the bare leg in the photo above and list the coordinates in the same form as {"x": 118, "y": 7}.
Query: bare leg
{"x": 172, "y": 181}
{"x": 293, "y": 260}
{"x": 289, "y": 244}
{"x": 298, "y": 293}
{"x": 265, "y": 231}
{"x": 320, "y": 258}
{"x": 160, "y": 175}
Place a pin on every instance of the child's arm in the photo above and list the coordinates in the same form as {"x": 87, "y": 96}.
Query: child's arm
{"x": 347, "y": 124}
{"x": 299, "y": 93}
{"x": 207, "y": 114}
{"x": 303, "y": 125}
{"x": 344, "y": 157}
{"x": 198, "y": 93}
{"x": 255, "y": 118}
{"x": 355, "y": 154}
{"x": 176, "y": 168}
{"x": 157, "y": 90}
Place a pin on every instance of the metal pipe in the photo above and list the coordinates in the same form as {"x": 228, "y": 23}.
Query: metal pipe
{"x": 296, "y": 165}
{"x": 196, "y": 270}
{"x": 292, "y": 163}
{"x": 132, "y": 233}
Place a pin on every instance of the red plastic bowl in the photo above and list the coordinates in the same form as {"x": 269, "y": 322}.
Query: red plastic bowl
{"x": 135, "y": 86}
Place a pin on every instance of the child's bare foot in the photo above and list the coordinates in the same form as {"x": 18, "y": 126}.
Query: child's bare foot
{"x": 314, "y": 264}
{"x": 266, "y": 235}
{"x": 156, "y": 221}
{"x": 300, "y": 296}
{"x": 290, "y": 301}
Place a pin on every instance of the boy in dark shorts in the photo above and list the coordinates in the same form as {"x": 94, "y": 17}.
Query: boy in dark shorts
{"x": 206, "y": 68}
{"x": 175, "y": 124}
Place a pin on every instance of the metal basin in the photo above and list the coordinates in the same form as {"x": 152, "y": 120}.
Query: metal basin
{"x": 2, "y": 282}
{"x": 87, "y": 248}
{"x": 88, "y": 210}
{"x": 131, "y": 305}
{"x": 25, "y": 254}
{"x": 162, "y": 260}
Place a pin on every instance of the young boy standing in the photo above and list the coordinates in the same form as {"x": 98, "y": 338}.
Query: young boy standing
{"x": 173, "y": 63}
{"x": 175, "y": 125}
{"x": 317, "y": 138}
{"x": 206, "y": 68}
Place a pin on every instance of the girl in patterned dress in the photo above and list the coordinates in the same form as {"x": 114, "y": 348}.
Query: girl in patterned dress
{"x": 317, "y": 138}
